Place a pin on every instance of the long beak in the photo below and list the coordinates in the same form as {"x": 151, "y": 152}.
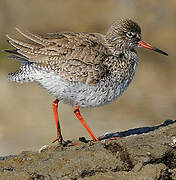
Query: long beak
{"x": 148, "y": 46}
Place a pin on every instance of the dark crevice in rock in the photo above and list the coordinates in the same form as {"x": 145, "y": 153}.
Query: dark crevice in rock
{"x": 36, "y": 176}
{"x": 89, "y": 173}
{"x": 165, "y": 175}
{"x": 114, "y": 148}
{"x": 8, "y": 169}
{"x": 86, "y": 173}
{"x": 169, "y": 159}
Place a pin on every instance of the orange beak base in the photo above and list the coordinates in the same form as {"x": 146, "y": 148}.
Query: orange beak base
{"x": 148, "y": 46}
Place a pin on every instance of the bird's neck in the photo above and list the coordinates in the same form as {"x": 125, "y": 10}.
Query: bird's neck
{"x": 130, "y": 54}
{"x": 123, "y": 66}
{"x": 117, "y": 47}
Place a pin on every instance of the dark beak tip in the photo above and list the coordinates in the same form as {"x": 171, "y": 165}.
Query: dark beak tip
{"x": 149, "y": 46}
{"x": 160, "y": 51}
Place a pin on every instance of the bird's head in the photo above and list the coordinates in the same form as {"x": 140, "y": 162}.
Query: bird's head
{"x": 126, "y": 34}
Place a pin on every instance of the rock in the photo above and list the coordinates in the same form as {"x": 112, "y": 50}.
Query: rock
{"x": 146, "y": 156}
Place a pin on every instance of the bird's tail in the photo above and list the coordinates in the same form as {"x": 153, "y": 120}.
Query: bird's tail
{"x": 22, "y": 74}
{"x": 15, "y": 55}
{"x": 26, "y": 73}
{"x": 24, "y": 52}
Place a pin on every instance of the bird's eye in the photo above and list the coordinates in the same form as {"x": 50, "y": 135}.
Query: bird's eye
{"x": 130, "y": 34}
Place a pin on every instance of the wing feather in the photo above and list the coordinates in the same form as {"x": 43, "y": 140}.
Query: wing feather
{"x": 35, "y": 38}
{"x": 74, "y": 56}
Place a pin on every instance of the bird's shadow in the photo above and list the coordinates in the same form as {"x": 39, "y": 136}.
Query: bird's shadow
{"x": 136, "y": 131}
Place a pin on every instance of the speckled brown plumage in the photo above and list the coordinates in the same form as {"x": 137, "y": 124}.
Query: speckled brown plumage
{"x": 81, "y": 69}
{"x": 81, "y": 60}
{"x": 74, "y": 56}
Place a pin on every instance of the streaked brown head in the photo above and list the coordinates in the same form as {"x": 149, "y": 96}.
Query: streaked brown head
{"x": 126, "y": 34}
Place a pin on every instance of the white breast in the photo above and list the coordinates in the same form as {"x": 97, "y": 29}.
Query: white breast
{"x": 84, "y": 95}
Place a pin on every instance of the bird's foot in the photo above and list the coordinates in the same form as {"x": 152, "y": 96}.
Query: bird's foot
{"x": 62, "y": 142}
{"x": 59, "y": 140}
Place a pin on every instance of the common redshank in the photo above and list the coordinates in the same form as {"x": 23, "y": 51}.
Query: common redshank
{"x": 81, "y": 69}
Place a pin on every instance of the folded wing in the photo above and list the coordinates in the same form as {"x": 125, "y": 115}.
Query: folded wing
{"x": 73, "y": 56}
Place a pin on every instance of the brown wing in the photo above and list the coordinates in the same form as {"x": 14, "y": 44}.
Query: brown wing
{"x": 74, "y": 56}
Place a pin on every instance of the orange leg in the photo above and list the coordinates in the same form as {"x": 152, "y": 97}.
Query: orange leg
{"x": 78, "y": 114}
{"x": 59, "y": 135}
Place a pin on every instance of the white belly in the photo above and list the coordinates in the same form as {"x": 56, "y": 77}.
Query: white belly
{"x": 106, "y": 90}
{"x": 84, "y": 95}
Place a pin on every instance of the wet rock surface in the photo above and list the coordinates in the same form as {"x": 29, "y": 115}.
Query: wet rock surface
{"x": 146, "y": 156}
